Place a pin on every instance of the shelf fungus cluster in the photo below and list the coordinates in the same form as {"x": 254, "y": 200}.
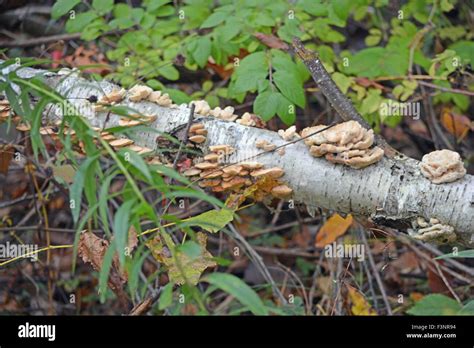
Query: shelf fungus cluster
{"x": 221, "y": 177}
{"x": 135, "y": 94}
{"x": 442, "y": 166}
{"x": 53, "y": 131}
{"x": 109, "y": 99}
{"x": 347, "y": 143}
{"x": 139, "y": 93}
{"x": 202, "y": 108}
{"x": 289, "y": 134}
{"x": 432, "y": 231}
{"x": 197, "y": 133}
{"x": 227, "y": 114}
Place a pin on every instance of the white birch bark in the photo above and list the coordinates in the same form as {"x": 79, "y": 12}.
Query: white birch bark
{"x": 392, "y": 192}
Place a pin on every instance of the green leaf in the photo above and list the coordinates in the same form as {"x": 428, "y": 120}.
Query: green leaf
{"x": 231, "y": 28}
{"x": 286, "y": 111}
{"x": 139, "y": 163}
{"x": 166, "y": 297}
{"x": 61, "y": 7}
{"x": 179, "y": 97}
{"x": 446, "y": 6}
{"x": 435, "y": 304}
{"x": 191, "y": 249}
{"x": 379, "y": 61}
{"x": 103, "y": 6}
{"x": 75, "y": 190}
{"x": 202, "y": 50}
{"x": 121, "y": 225}
{"x": 372, "y": 40}
{"x": 266, "y": 104}
{"x": 105, "y": 270}
{"x": 213, "y": 220}
{"x": 80, "y": 21}
{"x": 464, "y": 253}
{"x": 342, "y": 81}
{"x": 249, "y": 81}
{"x": 371, "y": 103}
{"x": 241, "y": 291}
{"x": 156, "y": 4}
{"x": 468, "y": 309}
{"x": 252, "y": 62}
{"x": 465, "y": 49}
{"x": 290, "y": 86}
{"x": 215, "y": 19}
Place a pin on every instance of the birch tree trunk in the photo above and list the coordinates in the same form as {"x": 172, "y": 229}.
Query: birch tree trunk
{"x": 392, "y": 192}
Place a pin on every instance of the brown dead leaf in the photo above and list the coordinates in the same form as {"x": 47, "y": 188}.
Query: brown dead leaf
{"x": 416, "y": 296}
{"x": 334, "y": 227}
{"x": 455, "y": 124}
{"x": 65, "y": 172}
{"x": 226, "y": 70}
{"x": 406, "y": 263}
{"x": 92, "y": 250}
{"x": 302, "y": 239}
{"x": 436, "y": 282}
{"x": 89, "y": 56}
{"x": 6, "y": 154}
{"x": 271, "y": 41}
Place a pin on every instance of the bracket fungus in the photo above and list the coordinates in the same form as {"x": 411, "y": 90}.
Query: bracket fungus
{"x": 288, "y": 134}
{"x": 201, "y": 107}
{"x": 347, "y": 143}
{"x": 432, "y": 231}
{"x": 247, "y": 120}
{"x": 226, "y": 114}
{"x": 139, "y": 92}
{"x": 264, "y": 145}
{"x": 162, "y": 99}
{"x": 442, "y": 166}
{"x": 115, "y": 96}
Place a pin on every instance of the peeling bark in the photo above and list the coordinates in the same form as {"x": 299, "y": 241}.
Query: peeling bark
{"x": 392, "y": 192}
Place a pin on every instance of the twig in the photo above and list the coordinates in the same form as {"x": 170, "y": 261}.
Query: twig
{"x": 144, "y": 306}
{"x": 445, "y": 281}
{"x": 433, "y": 125}
{"x": 453, "y": 262}
{"x": 21, "y": 199}
{"x": 51, "y": 247}
{"x": 446, "y": 89}
{"x": 47, "y": 39}
{"x": 419, "y": 36}
{"x": 323, "y": 80}
{"x": 257, "y": 259}
{"x": 40, "y": 40}
{"x": 336, "y": 98}
{"x": 378, "y": 279}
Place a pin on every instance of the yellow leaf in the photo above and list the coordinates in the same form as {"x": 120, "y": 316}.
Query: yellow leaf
{"x": 360, "y": 306}
{"x": 334, "y": 227}
{"x": 181, "y": 268}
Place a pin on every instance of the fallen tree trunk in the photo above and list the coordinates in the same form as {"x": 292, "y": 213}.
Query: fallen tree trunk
{"x": 391, "y": 192}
